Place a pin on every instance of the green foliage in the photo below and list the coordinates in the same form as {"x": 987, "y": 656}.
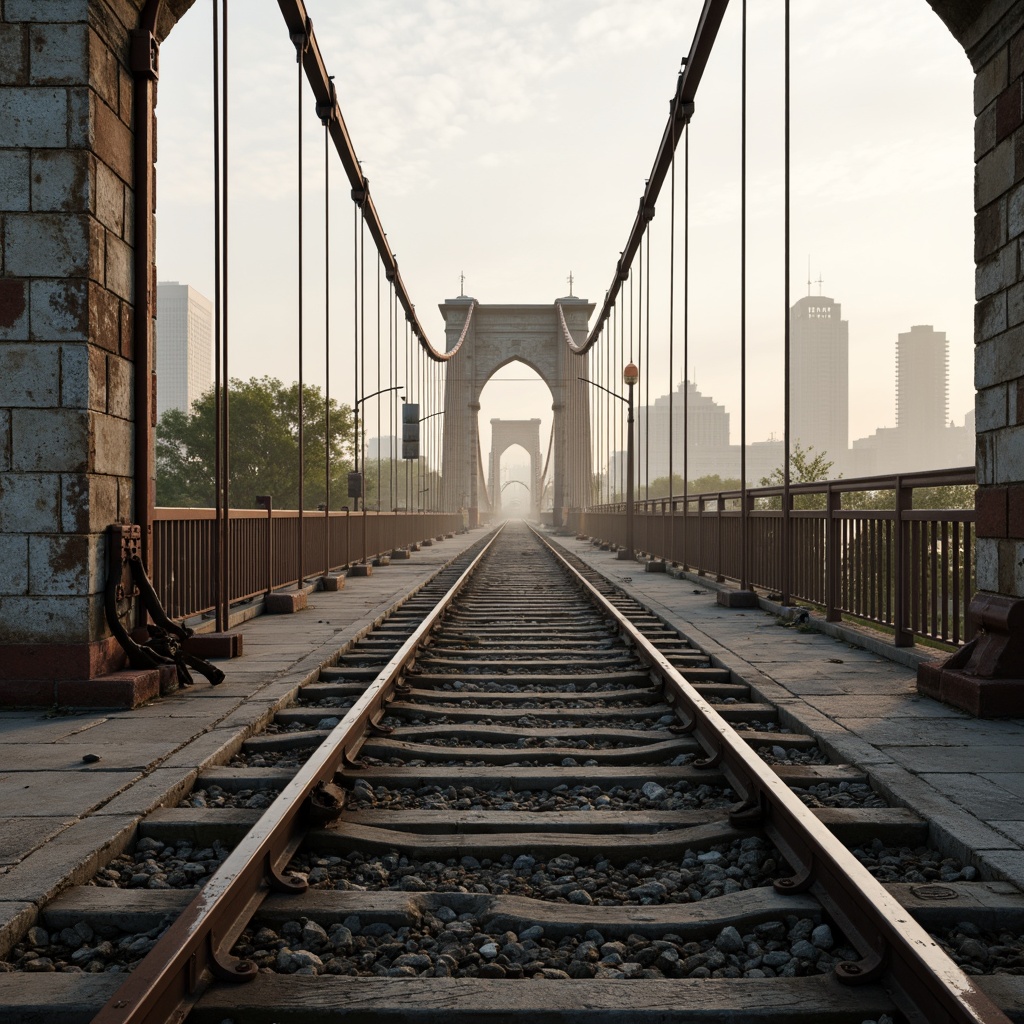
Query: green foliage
{"x": 955, "y": 496}
{"x": 264, "y": 448}
{"x": 804, "y": 468}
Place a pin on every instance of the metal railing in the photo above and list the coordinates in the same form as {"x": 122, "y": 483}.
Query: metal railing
{"x": 263, "y": 547}
{"x": 859, "y": 547}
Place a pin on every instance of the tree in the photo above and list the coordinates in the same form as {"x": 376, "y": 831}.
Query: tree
{"x": 803, "y": 469}
{"x": 263, "y": 448}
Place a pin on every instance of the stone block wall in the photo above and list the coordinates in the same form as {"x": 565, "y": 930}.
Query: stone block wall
{"x": 66, "y": 345}
{"x": 995, "y": 44}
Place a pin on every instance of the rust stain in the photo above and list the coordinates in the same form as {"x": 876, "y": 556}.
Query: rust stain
{"x": 12, "y": 302}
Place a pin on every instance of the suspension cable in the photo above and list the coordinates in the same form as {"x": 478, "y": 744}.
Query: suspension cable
{"x": 686, "y": 345}
{"x": 302, "y": 497}
{"x": 219, "y": 453}
{"x": 325, "y": 116}
{"x": 786, "y": 497}
{"x": 671, "y": 352}
{"x": 743, "y": 300}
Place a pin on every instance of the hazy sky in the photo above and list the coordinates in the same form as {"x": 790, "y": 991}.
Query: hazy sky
{"x": 512, "y": 142}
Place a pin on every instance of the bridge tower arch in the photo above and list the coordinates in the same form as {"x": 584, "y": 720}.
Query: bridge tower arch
{"x": 486, "y": 337}
{"x": 504, "y": 435}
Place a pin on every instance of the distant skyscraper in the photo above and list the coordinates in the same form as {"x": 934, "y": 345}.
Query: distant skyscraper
{"x": 819, "y": 377}
{"x": 922, "y": 381}
{"x": 184, "y": 346}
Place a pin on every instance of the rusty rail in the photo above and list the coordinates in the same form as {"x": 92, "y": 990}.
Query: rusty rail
{"x": 925, "y": 983}
{"x": 264, "y": 549}
{"x": 905, "y": 569}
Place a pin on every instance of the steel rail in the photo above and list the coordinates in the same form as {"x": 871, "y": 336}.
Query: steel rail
{"x": 195, "y": 949}
{"x": 300, "y": 28}
{"x": 896, "y": 950}
{"x": 679, "y": 114}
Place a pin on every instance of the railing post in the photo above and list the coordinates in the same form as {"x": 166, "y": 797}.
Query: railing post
{"x": 833, "y": 503}
{"x": 901, "y": 557}
{"x": 720, "y": 576}
{"x": 267, "y": 502}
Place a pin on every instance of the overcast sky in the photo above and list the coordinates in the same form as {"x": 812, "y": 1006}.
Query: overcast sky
{"x": 511, "y": 141}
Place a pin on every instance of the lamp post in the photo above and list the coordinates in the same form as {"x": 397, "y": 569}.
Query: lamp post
{"x": 630, "y": 377}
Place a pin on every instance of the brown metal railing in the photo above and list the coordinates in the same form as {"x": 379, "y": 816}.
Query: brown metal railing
{"x": 859, "y": 548}
{"x": 264, "y": 546}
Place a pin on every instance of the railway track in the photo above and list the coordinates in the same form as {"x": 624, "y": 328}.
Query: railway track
{"x": 532, "y": 801}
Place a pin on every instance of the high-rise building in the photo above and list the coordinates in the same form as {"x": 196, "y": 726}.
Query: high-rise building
{"x": 922, "y": 381}
{"x": 819, "y": 377}
{"x": 184, "y": 346}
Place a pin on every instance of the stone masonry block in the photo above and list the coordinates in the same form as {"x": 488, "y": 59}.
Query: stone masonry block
{"x": 112, "y": 140}
{"x": 14, "y": 180}
{"x": 113, "y": 439}
{"x": 47, "y": 10}
{"x": 127, "y": 330}
{"x": 51, "y": 619}
{"x": 990, "y": 408}
{"x": 59, "y": 54}
{"x": 29, "y": 502}
{"x": 31, "y": 376}
{"x": 994, "y": 174}
{"x": 986, "y": 564}
{"x": 1009, "y": 451}
{"x": 64, "y": 565}
{"x": 125, "y": 500}
{"x": 51, "y": 440}
{"x": 999, "y": 359}
{"x": 990, "y": 316}
{"x": 83, "y": 381}
{"x": 991, "y": 511}
{"x": 33, "y": 117}
{"x": 990, "y": 227}
{"x": 997, "y": 272}
{"x": 5, "y": 440}
{"x": 127, "y": 97}
{"x": 104, "y": 317}
{"x": 1015, "y": 305}
{"x": 1016, "y": 56}
{"x": 88, "y": 502}
{"x": 13, "y": 563}
{"x": 63, "y": 181}
{"x": 984, "y": 132}
{"x": 80, "y": 128}
{"x": 1016, "y": 405}
{"x": 1015, "y": 510}
{"x": 14, "y": 318}
{"x": 985, "y": 458}
{"x": 119, "y": 267}
{"x": 47, "y": 245}
{"x": 1011, "y": 567}
{"x": 1015, "y": 212}
{"x": 13, "y": 55}
{"x": 1009, "y": 109}
{"x": 992, "y": 78}
{"x": 104, "y": 74}
{"x": 110, "y": 199}
{"x": 120, "y": 387}
{"x": 60, "y": 310}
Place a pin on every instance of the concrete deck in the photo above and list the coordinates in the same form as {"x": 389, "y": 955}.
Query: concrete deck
{"x": 965, "y": 775}
{"x": 60, "y": 815}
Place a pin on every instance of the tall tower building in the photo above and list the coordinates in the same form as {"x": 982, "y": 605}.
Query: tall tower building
{"x": 819, "y": 377}
{"x": 922, "y": 380}
{"x": 184, "y": 346}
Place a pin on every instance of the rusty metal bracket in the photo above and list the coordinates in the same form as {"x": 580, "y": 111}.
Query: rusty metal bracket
{"x": 800, "y": 882}
{"x": 352, "y": 762}
{"x": 863, "y": 972}
{"x": 326, "y": 803}
{"x": 713, "y": 760}
{"x": 301, "y": 39}
{"x": 749, "y": 813}
{"x": 289, "y": 884}
{"x": 375, "y": 727}
{"x": 226, "y": 967}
